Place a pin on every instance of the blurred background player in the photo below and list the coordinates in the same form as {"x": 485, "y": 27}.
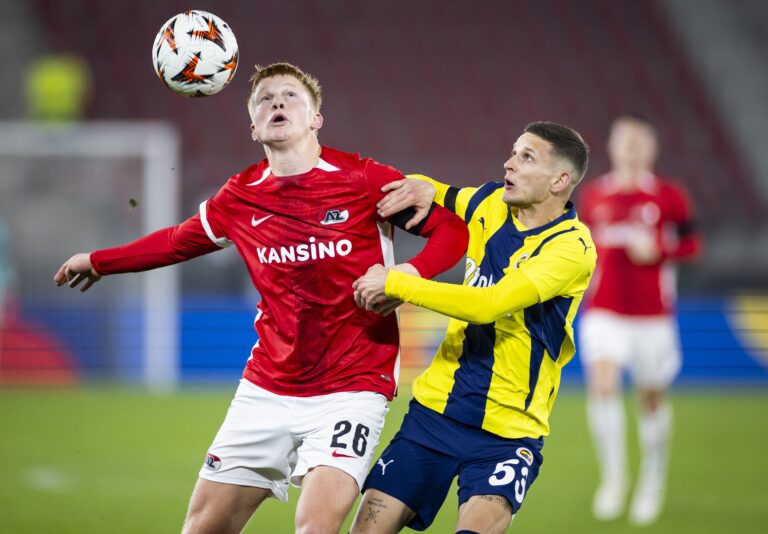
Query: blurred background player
{"x": 57, "y": 88}
{"x": 481, "y": 409}
{"x": 642, "y": 225}
{"x": 311, "y": 404}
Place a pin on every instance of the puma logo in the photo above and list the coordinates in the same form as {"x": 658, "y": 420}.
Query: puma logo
{"x": 585, "y": 245}
{"x": 383, "y": 466}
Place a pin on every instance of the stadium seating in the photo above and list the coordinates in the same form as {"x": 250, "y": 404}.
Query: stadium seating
{"x": 431, "y": 86}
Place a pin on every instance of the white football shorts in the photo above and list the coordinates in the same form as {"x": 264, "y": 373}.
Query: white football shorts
{"x": 649, "y": 347}
{"x": 268, "y": 440}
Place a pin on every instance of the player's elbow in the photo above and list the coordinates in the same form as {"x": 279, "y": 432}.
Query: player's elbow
{"x": 455, "y": 241}
{"x": 448, "y": 243}
{"x": 691, "y": 250}
{"x": 485, "y": 314}
{"x": 481, "y": 319}
{"x": 462, "y": 235}
{"x": 697, "y": 248}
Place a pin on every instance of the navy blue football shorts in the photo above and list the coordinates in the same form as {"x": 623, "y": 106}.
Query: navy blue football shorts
{"x": 431, "y": 449}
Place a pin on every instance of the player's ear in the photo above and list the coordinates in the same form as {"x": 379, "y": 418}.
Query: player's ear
{"x": 253, "y": 132}
{"x": 317, "y": 121}
{"x": 561, "y": 182}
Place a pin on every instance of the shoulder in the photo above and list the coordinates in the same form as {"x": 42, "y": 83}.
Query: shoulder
{"x": 485, "y": 200}
{"x": 248, "y": 175}
{"x": 671, "y": 186}
{"x": 673, "y": 195}
{"x": 489, "y": 190}
{"x": 572, "y": 240}
{"x": 380, "y": 172}
{"x": 593, "y": 187}
{"x": 341, "y": 159}
{"x": 351, "y": 162}
{"x": 568, "y": 232}
{"x": 237, "y": 182}
{"x": 582, "y": 233}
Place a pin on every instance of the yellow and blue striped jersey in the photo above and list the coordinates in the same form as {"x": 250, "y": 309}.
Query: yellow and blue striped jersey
{"x": 499, "y": 365}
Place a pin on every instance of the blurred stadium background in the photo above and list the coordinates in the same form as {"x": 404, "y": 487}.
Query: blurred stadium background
{"x": 109, "y": 399}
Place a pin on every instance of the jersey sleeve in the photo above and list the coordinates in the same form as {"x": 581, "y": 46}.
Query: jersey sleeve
{"x": 447, "y": 236}
{"x": 480, "y": 305}
{"x": 213, "y": 216}
{"x": 158, "y": 249}
{"x": 452, "y": 198}
{"x": 685, "y": 243}
{"x": 545, "y": 276}
{"x": 561, "y": 264}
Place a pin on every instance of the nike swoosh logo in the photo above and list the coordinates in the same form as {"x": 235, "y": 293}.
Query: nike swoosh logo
{"x": 256, "y": 222}
{"x": 337, "y": 454}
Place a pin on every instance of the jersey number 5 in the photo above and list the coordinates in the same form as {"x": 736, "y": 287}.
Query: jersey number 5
{"x": 505, "y": 473}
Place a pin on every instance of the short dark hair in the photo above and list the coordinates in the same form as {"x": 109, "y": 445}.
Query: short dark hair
{"x": 566, "y": 143}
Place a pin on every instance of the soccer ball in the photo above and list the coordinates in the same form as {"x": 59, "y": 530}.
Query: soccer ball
{"x": 195, "y": 53}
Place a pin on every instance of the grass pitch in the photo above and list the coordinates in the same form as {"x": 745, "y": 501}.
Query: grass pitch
{"x": 97, "y": 460}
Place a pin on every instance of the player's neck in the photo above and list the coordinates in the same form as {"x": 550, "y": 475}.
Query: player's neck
{"x": 294, "y": 158}
{"x": 629, "y": 178}
{"x": 540, "y": 214}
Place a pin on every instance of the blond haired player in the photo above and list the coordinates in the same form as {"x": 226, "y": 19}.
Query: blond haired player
{"x": 311, "y": 404}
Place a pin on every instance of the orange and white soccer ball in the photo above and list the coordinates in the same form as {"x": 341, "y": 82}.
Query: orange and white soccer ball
{"x": 195, "y": 53}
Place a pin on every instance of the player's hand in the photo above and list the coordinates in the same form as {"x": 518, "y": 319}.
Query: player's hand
{"x": 369, "y": 289}
{"x": 389, "y": 304}
{"x": 386, "y": 306}
{"x": 75, "y": 270}
{"x": 407, "y": 193}
{"x": 643, "y": 249}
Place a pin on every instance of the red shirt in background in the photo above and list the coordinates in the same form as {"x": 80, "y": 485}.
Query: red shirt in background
{"x": 659, "y": 210}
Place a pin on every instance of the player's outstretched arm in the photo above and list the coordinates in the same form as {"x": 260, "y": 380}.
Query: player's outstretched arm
{"x": 158, "y": 249}
{"x": 407, "y": 193}
{"x": 471, "y": 304}
{"x": 546, "y": 276}
{"x": 75, "y": 270}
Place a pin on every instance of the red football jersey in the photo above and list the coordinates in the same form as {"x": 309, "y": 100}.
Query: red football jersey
{"x": 305, "y": 239}
{"x": 657, "y": 210}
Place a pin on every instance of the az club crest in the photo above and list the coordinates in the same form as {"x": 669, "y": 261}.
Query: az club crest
{"x": 212, "y": 462}
{"x": 335, "y": 217}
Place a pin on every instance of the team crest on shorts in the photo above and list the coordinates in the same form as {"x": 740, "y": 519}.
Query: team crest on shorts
{"x": 525, "y": 454}
{"x": 212, "y": 462}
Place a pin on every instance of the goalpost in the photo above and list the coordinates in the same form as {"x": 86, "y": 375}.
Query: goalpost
{"x": 73, "y": 158}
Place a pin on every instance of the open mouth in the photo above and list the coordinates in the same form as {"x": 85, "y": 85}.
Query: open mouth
{"x": 278, "y": 119}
